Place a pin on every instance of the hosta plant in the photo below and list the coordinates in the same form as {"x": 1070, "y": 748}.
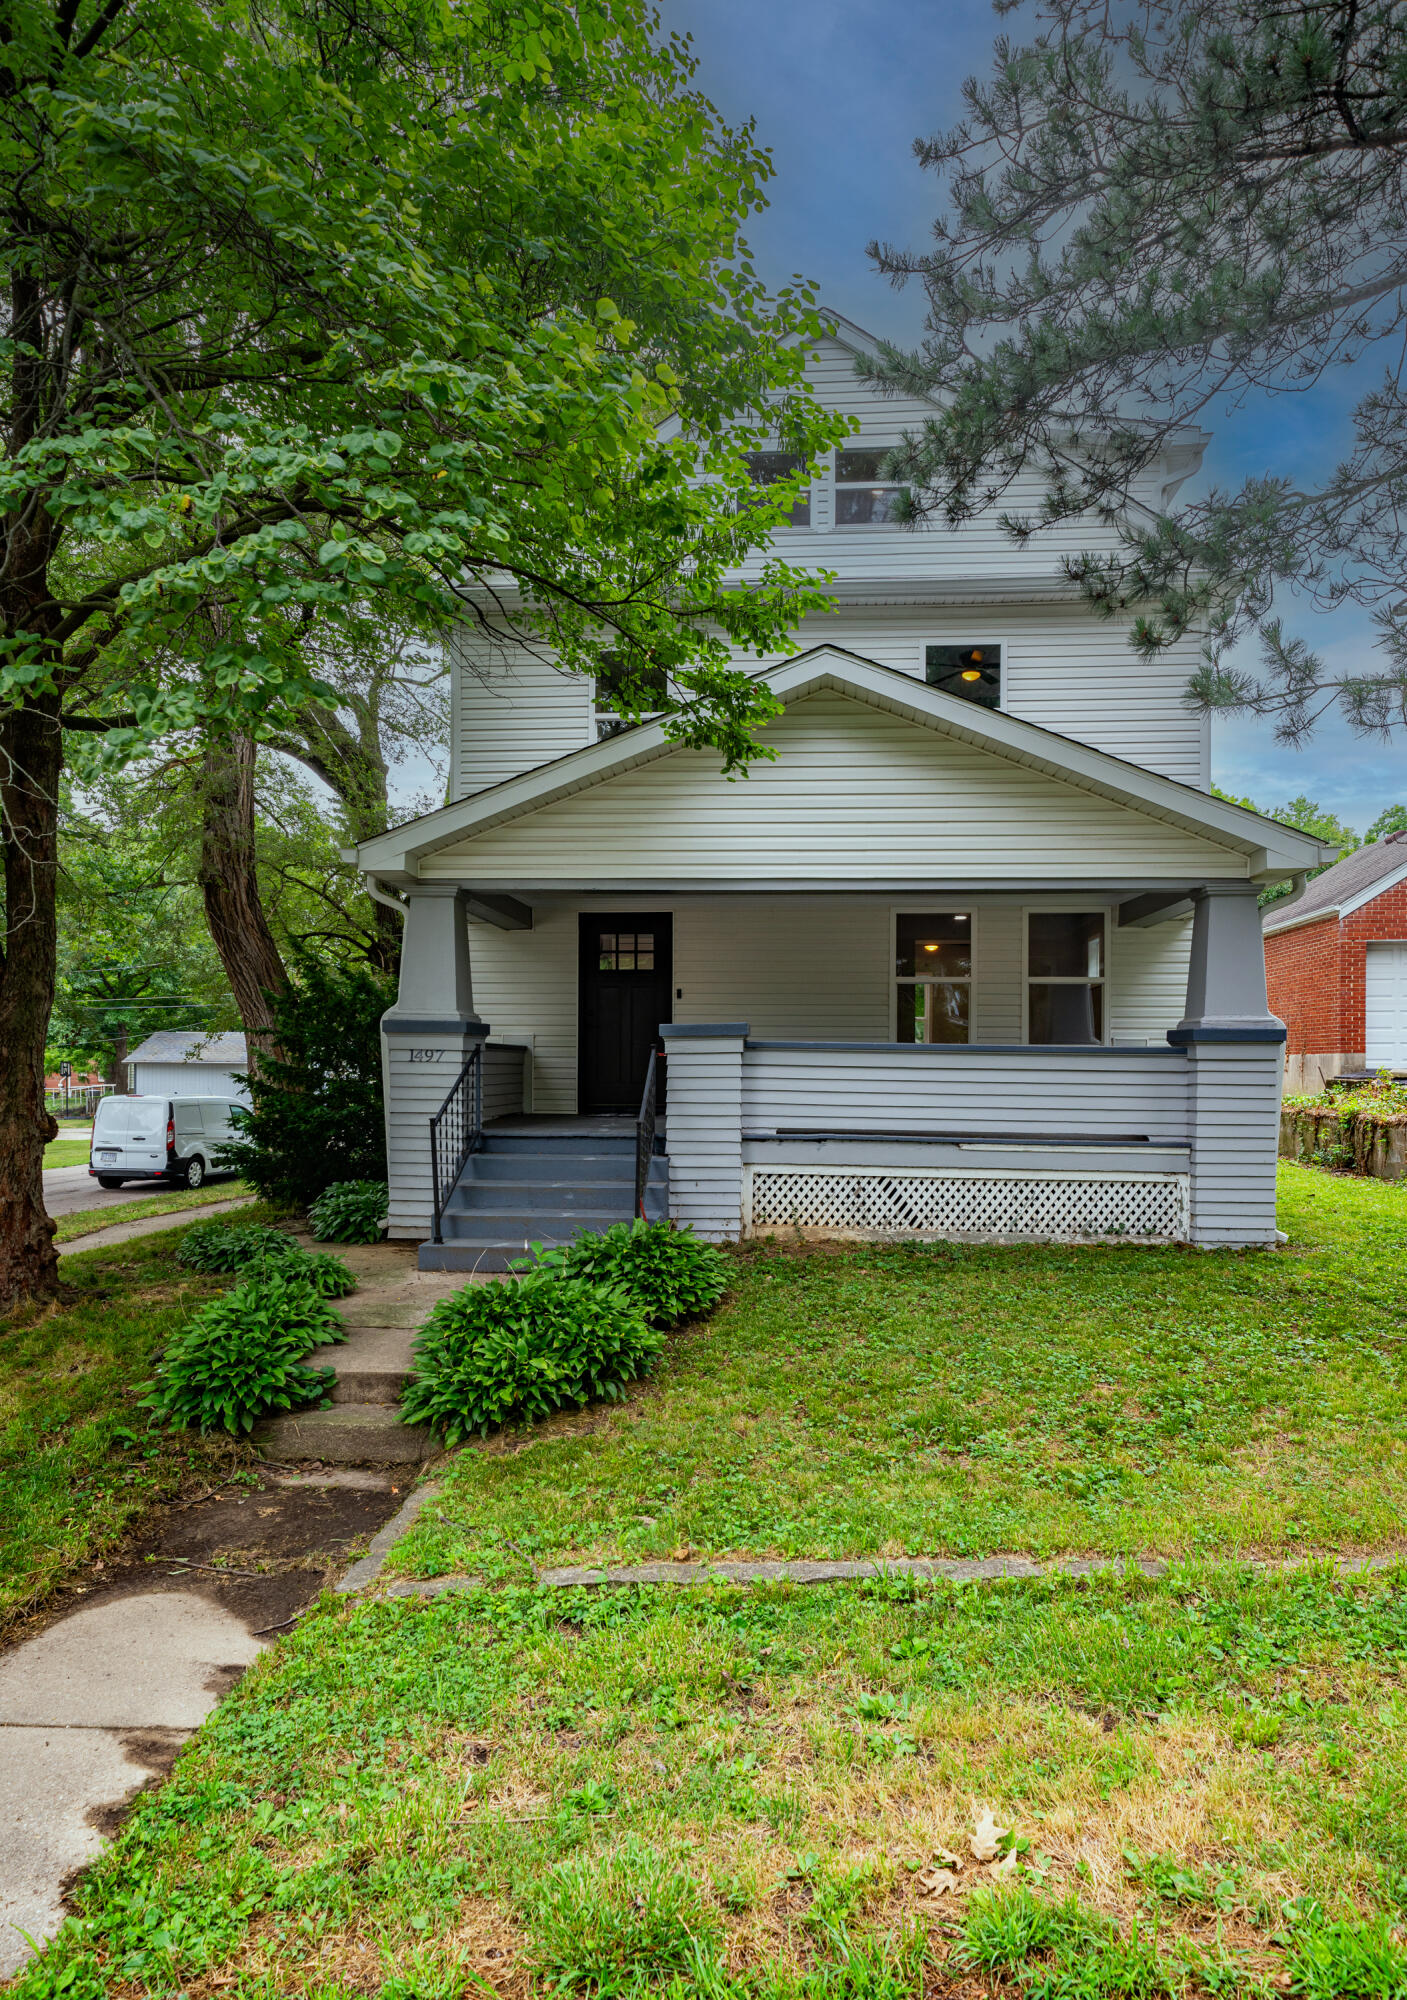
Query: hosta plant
{"x": 327, "y": 1275}
{"x": 668, "y": 1272}
{"x": 521, "y": 1349}
{"x": 241, "y": 1357}
{"x": 350, "y": 1212}
{"x": 226, "y": 1246}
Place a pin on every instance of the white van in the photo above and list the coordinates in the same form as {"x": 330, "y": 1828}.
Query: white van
{"x": 159, "y": 1138}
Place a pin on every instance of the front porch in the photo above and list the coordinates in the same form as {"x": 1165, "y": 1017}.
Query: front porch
{"x": 1154, "y": 1141}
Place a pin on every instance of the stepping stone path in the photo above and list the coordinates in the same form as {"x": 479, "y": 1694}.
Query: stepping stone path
{"x": 392, "y": 1301}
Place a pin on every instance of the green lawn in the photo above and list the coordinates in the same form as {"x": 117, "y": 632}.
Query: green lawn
{"x": 739, "y": 1795}
{"x": 66, "y": 1151}
{"x": 963, "y": 1400}
{"x": 86, "y": 1220}
{"x": 78, "y": 1460}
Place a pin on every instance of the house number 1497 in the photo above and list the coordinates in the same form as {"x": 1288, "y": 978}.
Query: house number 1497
{"x": 427, "y": 1055}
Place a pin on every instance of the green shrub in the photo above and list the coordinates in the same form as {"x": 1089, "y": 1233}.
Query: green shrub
{"x": 350, "y": 1212}
{"x": 668, "y": 1272}
{"x": 316, "y": 1113}
{"x": 241, "y": 1357}
{"x": 328, "y": 1276}
{"x": 524, "y": 1348}
{"x": 616, "y": 1921}
{"x": 224, "y": 1246}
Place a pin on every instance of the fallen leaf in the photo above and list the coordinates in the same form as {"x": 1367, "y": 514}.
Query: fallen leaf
{"x": 1005, "y": 1865}
{"x": 945, "y": 1859}
{"x": 937, "y": 1881}
{"x": 987, "y": 1836}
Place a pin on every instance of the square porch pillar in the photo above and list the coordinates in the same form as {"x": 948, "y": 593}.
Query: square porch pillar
{"x": 1234, "y": 1046}
{"x": 426, "y": 1039}
{"x": 704, "y": 1066}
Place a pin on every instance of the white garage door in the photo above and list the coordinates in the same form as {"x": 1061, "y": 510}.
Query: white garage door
{"x": 1387, "y": 1006}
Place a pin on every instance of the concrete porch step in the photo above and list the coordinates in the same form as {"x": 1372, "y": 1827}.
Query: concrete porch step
{"x": 599, "y": 1197}
{"x": 347, "y": 1434}
{"x": 581, "y": 1170}
{"x": 373, "y": 1364}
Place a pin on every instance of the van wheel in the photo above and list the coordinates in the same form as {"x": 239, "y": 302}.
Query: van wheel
{"x": 109, "y": 1180}
{"x": 195, "y": 1171}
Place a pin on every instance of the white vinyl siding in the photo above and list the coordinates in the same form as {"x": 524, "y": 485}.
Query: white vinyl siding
{"x": 855, "y": 794}
{"x": 1062, "y": 668}
{"x": 798, "y": 967}
{"x": 511, "y": 710}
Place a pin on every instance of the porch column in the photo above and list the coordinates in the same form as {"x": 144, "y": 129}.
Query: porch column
{"x": 1233, "y": 1045}
{"x": 425, "y": 1041}
{"x": 704, "y": 1126}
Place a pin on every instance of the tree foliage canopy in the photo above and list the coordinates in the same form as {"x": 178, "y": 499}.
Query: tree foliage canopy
{"x": 312, "y": 300}
{"x": 1156, "y": 207}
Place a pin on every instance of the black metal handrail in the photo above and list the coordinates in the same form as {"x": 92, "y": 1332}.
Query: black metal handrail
{"x": 645, "y": 1131}
{"x": 456, "y": 1131}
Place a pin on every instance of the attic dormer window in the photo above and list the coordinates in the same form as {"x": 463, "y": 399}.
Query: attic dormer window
{"x": 973, "y": 673}
{"x": 769, "y": 468}
{"x": 864, "y": 496}
{"x": 647, "y": 688}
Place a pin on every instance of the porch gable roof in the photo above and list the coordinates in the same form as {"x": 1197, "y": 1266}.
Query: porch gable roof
{"x": 1268, "y": 849}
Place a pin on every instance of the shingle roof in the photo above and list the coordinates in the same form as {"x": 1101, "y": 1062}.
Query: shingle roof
{"x": 189, "y": 1045}
{"x": 1349, "y": 877}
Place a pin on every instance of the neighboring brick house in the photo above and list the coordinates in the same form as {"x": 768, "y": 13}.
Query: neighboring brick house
{"x": 1336, "y": 967}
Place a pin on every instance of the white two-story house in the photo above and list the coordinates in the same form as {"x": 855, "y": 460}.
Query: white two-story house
{"x": 976, "y": 955}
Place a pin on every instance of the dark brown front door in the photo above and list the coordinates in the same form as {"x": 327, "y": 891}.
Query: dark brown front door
{"x": 627, "y": 972}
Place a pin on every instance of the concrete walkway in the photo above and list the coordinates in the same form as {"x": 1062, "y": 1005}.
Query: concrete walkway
{"x": 152, "y": 1225}
{"x": 89, "y": 1712}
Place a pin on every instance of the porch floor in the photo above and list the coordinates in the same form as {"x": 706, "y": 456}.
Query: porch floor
{"x": 554, "y": 1125}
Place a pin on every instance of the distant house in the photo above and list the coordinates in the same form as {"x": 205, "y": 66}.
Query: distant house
{"x": 1336, "y": 967}
{"x": 183, "y": 1062}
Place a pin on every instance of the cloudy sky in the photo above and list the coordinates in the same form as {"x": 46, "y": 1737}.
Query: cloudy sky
{"x": 839, "y": 89}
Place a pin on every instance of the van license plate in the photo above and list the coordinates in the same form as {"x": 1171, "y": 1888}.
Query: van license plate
{"x": 107, "y": 1159}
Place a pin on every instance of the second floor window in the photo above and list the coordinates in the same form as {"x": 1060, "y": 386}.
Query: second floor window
{"x": 768, "y": 468}
{"x": 647, "y": 686}
{"x": 864, "y": 497}
{"x": 972, "y": 672}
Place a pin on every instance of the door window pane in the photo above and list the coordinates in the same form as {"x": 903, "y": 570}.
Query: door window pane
{"x": 626, "y": 951}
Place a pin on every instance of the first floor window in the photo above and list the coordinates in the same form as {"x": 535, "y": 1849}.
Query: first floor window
{"x": 864, "y": 496}
{"x": 933, "y": 976}
{"x": 769, "y": 468}
{"x": 1065, "y": 956}
{"x": 973, "y": 673}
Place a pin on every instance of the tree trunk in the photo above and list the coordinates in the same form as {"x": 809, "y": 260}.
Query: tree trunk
{"x": 229, "y": 880}
{"x": 31, "y": 756}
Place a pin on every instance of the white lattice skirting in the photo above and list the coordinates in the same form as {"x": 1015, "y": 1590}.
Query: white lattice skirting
{"x": 850, "y": 1201}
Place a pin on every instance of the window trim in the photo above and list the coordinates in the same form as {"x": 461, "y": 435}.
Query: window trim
{"x": 945, "y": 639}
{"x": 839, "y": 485}
{"x": 929, "y": 908}
{"x": 1029, "y": 910}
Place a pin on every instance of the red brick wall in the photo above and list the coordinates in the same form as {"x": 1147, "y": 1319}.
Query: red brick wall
{"x": 1315, "y": 975}
{"x": 1302, "y": 979}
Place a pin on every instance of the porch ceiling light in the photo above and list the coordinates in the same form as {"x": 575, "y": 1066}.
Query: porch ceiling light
{"x": 971, "y": 674}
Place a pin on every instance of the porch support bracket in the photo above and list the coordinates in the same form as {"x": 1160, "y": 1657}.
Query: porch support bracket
{"x": 504, "y": 913}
